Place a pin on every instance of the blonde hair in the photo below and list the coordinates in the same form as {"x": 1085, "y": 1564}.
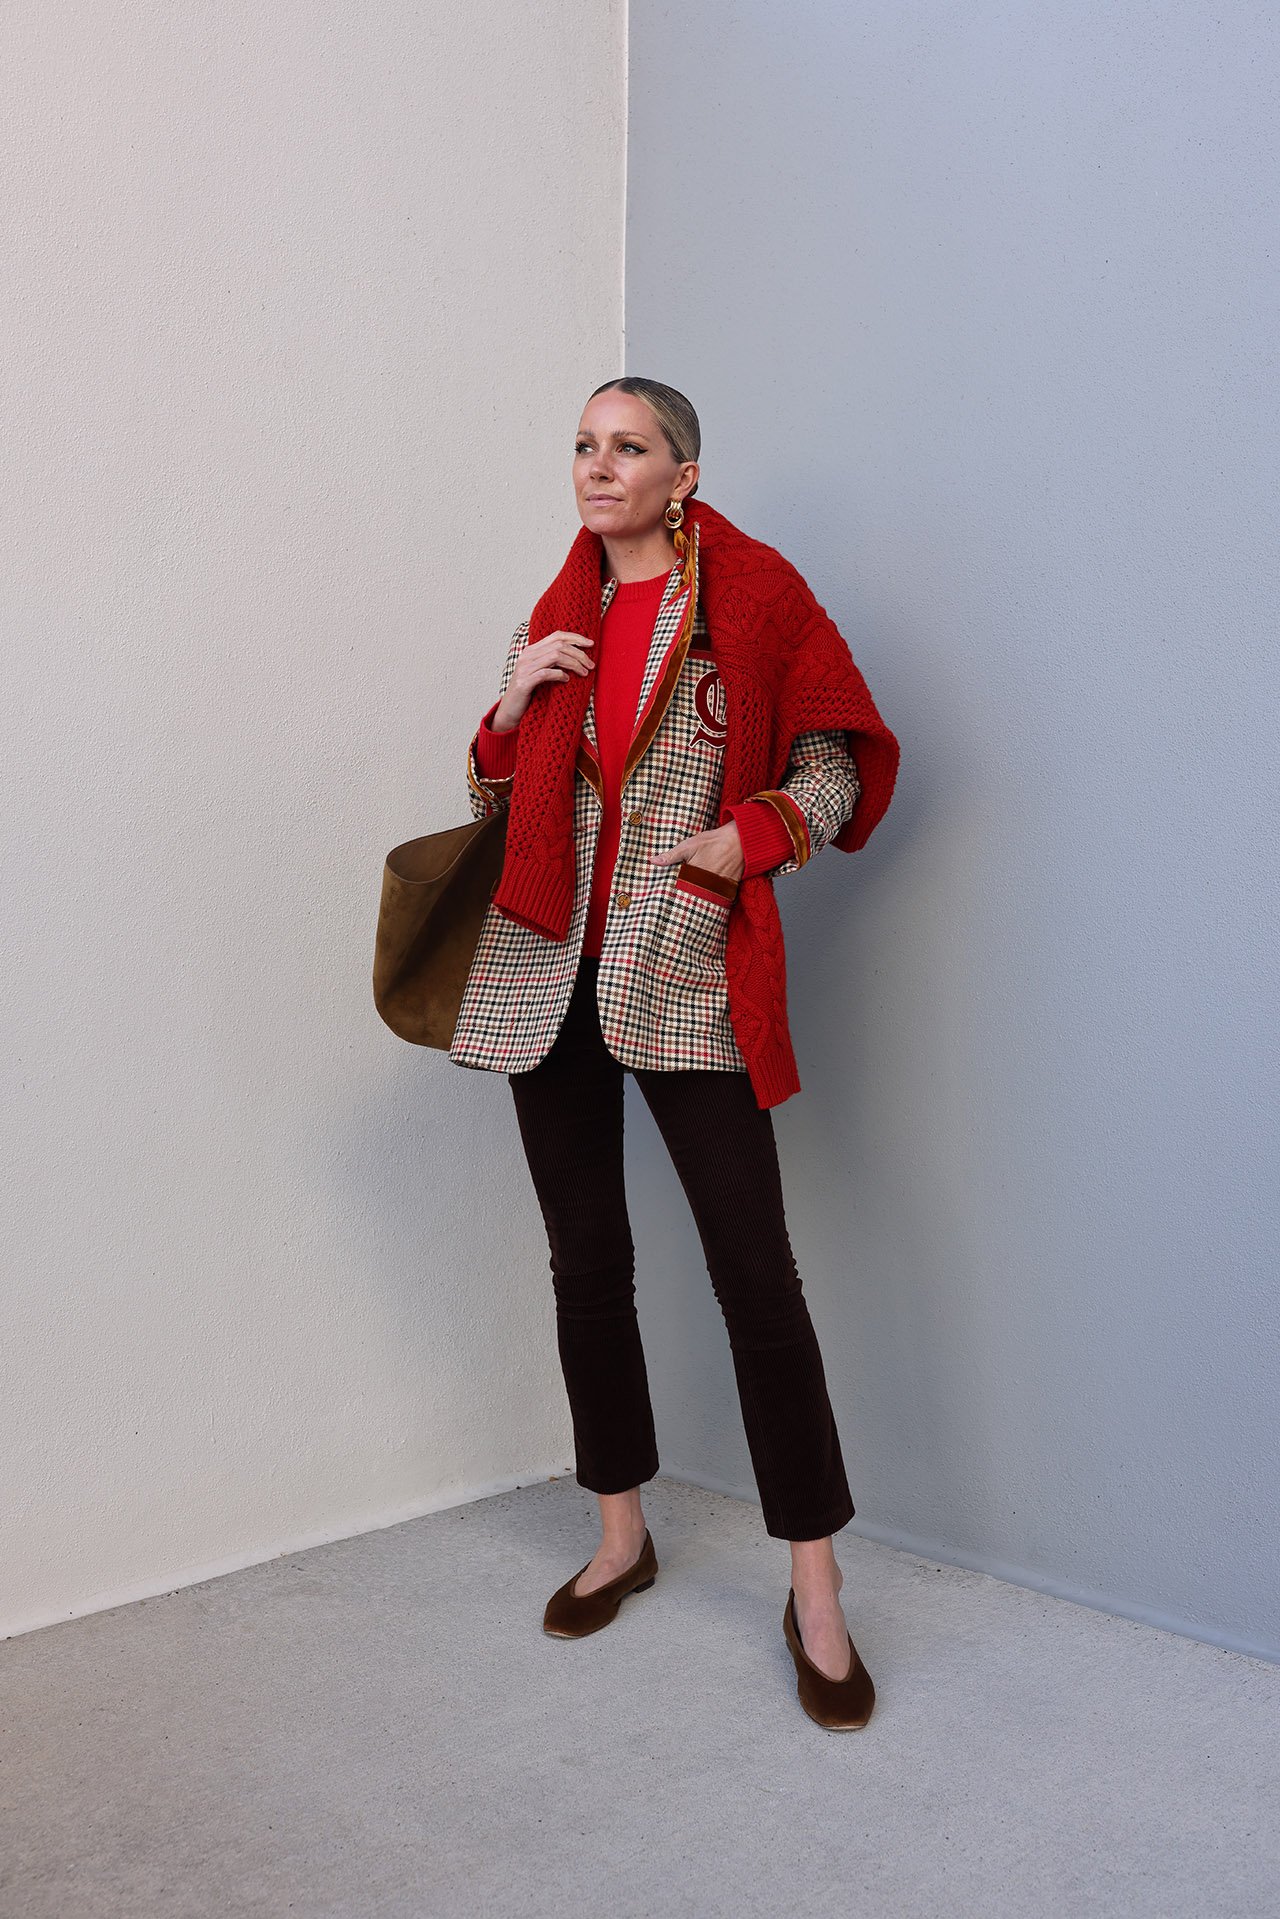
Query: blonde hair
{"x": 675, "y": 415}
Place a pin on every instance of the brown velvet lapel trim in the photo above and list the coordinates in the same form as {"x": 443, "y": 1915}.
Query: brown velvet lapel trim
{"x": 665, "y": 684}
{"x": 588, "y": 765}
{"x": 587, "y": 760}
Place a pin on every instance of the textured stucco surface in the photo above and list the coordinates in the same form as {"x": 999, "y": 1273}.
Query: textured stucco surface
{"x": 303, "y": 304}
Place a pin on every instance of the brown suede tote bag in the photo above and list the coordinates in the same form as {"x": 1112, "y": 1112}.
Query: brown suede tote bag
{"x": 435, "y": 891}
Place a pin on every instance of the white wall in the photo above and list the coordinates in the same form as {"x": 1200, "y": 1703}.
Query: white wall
{"x": 977, "y": 308}
{"x": 303, "y": 304}
{"x": 978, "y": 305}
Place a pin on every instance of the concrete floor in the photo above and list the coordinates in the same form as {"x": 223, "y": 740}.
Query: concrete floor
{"x": 381, "y": 1727}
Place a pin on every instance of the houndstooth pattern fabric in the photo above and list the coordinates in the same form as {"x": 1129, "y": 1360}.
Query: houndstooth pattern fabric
{"x": 661, "y": 986}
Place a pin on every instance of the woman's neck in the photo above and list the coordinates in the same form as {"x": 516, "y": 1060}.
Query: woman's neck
{"x": 627, "y": 560}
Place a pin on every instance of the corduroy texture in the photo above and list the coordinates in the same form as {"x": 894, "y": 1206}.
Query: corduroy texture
{"x": 786, "y": 669}
{"x": 570, "y": 1112}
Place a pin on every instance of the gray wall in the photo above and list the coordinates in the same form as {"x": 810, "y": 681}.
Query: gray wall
{"x": 306, "y": 299}
{"x": 977, "y": 305}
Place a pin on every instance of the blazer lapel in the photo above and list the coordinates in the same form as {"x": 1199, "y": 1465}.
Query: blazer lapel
{"x": 672, "y": 632}
{"x": 588, "y": 760}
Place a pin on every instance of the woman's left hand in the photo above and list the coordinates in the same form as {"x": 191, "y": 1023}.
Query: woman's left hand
{"x": 719, "y": 850}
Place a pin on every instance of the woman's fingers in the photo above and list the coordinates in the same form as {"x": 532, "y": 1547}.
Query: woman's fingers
{"x": 555, "y": 658}
{"x": 720, "y": 849}
{"x": 574, "y": 650}
{"x": 573, "y": 646}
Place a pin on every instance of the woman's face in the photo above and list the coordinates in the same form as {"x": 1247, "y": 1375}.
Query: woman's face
{"x": 624, "y": 471}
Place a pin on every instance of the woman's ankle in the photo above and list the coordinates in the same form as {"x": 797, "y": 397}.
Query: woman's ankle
{"x": 815, "y": 1570}
{"x": 622, "y": 1522}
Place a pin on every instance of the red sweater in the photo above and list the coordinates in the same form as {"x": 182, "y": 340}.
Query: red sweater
{"x": 787, "y": 670}
{"x": 625, "y": 634}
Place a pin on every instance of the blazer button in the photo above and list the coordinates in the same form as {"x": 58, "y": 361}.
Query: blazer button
{"x": 634, "y": 819}
{"x": 622, "y": 899}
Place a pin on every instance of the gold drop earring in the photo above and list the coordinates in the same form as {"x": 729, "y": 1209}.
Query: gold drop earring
{"x": 674, "y": 515}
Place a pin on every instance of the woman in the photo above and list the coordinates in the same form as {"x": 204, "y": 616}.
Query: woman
{"x": 679, "y": 723}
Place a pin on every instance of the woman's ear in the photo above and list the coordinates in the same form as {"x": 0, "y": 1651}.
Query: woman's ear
{"x": 686, "y": 480}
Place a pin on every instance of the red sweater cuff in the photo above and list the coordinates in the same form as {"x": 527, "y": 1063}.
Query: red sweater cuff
{"x": 766, "y": 843}
{"x": 495, "y": 752}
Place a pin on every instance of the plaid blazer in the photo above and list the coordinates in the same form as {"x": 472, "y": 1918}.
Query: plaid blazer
{"x": 662, "y": 987}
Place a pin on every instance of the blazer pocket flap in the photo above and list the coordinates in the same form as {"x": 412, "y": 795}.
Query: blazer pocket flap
{"x": 691, "y": 878}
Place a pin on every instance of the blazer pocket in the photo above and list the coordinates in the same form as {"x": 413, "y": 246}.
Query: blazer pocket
{"x": 704, "y": 884}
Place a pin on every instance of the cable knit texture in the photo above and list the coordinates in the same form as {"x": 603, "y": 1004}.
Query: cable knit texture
{"x": 786, "y": 668}
{"x": 626, "y": 631}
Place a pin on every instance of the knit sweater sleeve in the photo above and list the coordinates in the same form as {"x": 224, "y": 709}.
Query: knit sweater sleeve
{"x": 823, "y": 688}
{"x": 817, "y": 795}
{"x": 491, "y": 757}
{"x": 766, "y": 842}
{"x": 495, "y": 752}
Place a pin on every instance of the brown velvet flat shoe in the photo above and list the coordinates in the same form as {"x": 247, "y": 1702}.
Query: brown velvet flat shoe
{"x": 571, "y": 1615}
{"x": 839, "y": 1704}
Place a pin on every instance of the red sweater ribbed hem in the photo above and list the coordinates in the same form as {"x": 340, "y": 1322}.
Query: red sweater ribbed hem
{"x": 766, "y": 842}
{"x": 774, "y": 1076}
{"x": 536, "y": 894}
{"x": 495, "y": 752}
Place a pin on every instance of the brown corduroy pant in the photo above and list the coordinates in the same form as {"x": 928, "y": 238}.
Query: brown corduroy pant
{"x": 570, "y": 1111}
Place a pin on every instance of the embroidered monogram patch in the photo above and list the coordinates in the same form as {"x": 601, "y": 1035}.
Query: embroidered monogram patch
{"x": 709, "y": 700}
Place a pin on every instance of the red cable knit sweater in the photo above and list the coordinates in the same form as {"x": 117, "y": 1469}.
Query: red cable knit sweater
{"x": 787, "y": 669}
{"x": 625, "y": 634}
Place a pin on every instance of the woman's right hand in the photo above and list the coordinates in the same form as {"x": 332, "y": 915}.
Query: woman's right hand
{"x": 551, "y": 659}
